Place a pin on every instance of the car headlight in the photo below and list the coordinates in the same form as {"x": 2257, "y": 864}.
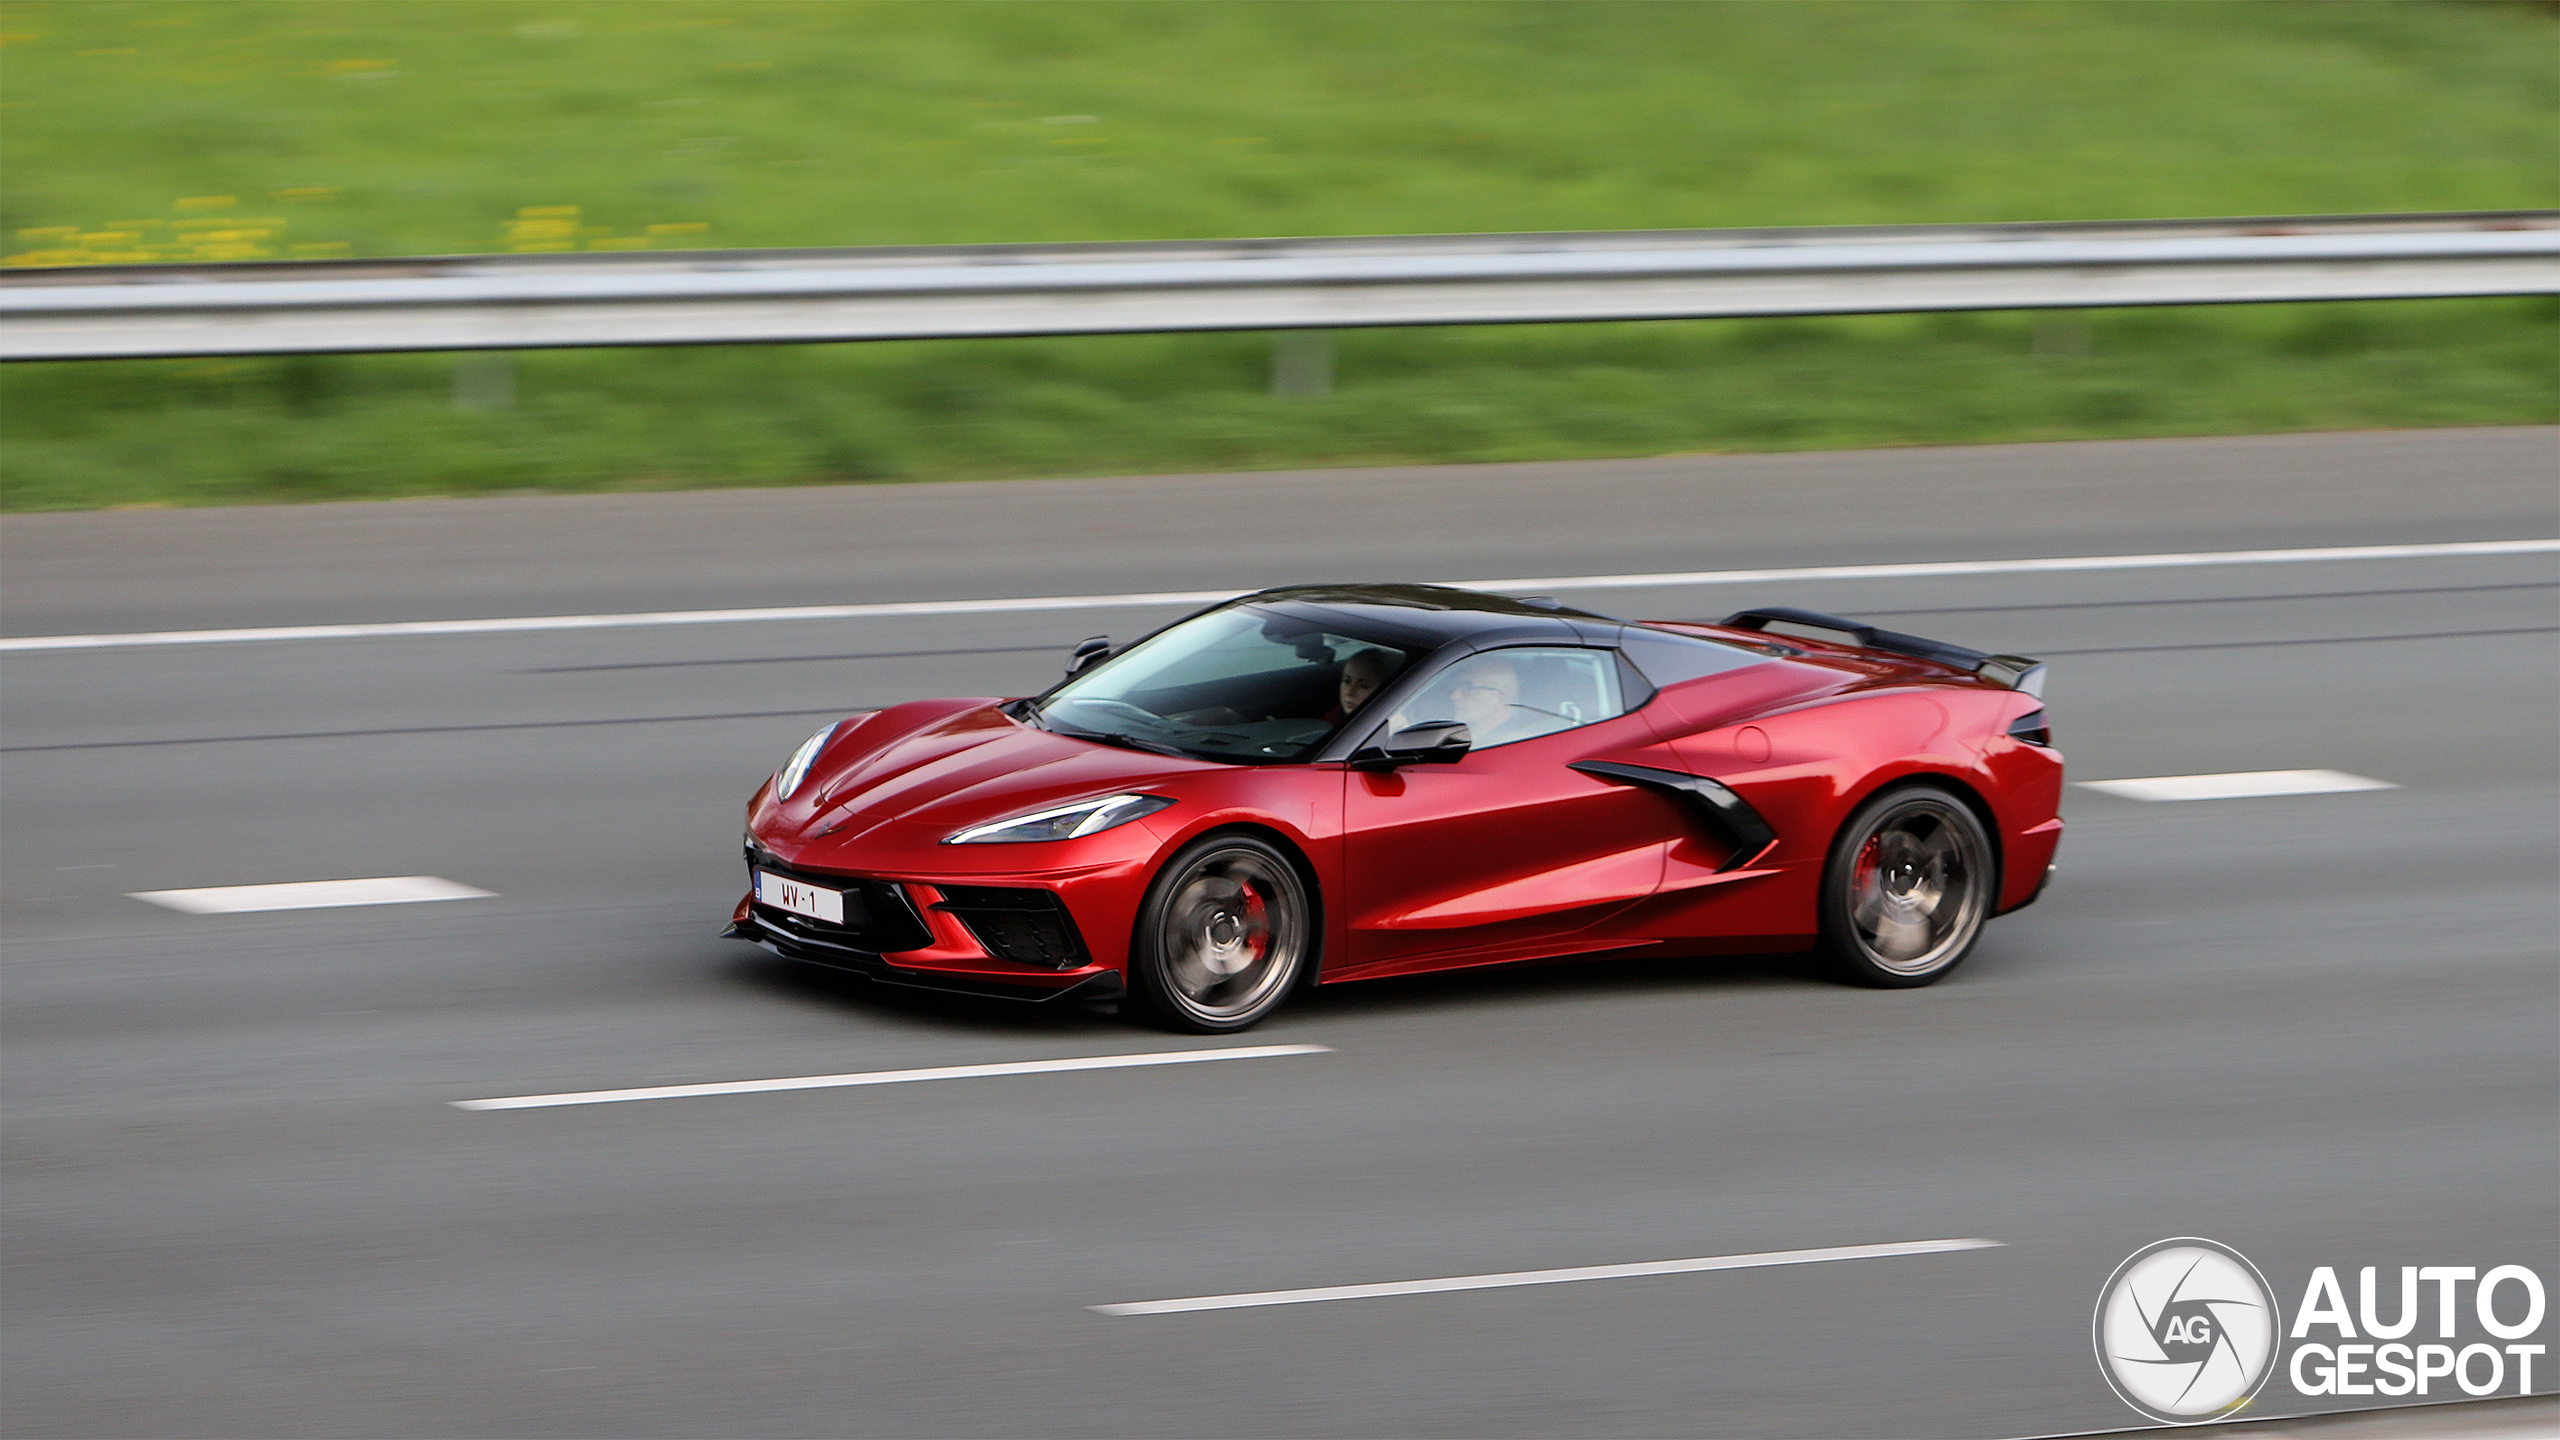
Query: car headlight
{"x": 1063, "y": 822}
{"x": 796, "y": 769}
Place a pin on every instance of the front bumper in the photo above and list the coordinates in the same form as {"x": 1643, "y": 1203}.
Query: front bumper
{"x": 1017, "y": 944}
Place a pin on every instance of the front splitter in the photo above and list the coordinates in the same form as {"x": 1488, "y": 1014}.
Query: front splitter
{"x": 1104, "y": 986}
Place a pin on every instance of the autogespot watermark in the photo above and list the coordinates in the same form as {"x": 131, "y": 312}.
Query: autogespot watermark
{"x": 2187, "y": 1330}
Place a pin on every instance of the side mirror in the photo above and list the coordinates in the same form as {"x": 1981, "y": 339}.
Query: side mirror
{"x": 1433, "y": 742}
{"x": 1088, "y": 653}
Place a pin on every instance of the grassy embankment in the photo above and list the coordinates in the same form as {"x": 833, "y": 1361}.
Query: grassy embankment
{"x": 400, "y": 126}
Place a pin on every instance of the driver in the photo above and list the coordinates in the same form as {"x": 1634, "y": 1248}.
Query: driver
{"x": 1482, "y": 696}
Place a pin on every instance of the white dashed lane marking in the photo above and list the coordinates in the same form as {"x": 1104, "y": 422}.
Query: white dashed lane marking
{"x": 312, "y": 894}
{"x": 2237, "y": 785}
{"x": 2065, "y": 564}
{"x": 889, "y": 1077}
{"x": 1542, "y": 1277}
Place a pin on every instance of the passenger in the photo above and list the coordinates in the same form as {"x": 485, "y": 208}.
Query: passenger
{"x": 1362, "y": 674}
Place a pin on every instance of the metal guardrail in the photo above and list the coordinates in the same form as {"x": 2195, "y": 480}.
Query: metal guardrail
{"x": 516, "y": 302}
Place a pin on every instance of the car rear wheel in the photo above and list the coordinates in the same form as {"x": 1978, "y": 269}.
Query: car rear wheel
{"x": 1225, "y": 933}
{"x": 1908, "y": 885}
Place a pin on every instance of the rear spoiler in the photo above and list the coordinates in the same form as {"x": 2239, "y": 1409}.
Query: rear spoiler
{"x": 2016, "y": 672}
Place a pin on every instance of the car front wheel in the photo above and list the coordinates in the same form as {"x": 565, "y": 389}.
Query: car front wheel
{"x": 1226, "y": 931}
{"x": 1908, "y": 885}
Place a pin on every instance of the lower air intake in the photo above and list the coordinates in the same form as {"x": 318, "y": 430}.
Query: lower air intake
{"x": 1026, "y": 927}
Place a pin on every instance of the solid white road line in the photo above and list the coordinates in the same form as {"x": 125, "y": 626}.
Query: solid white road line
{"x": 2237, "y": 785}
{"x": 312, "y": 894}
{"x": 2065, "y": 563}
{"x": 1542, "y": 1277}
{"x": 889, "y": 1077}
{"x": 1664, "y": 579}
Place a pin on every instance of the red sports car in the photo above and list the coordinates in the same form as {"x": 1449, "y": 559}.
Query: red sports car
{"x": 1328, "y": 783}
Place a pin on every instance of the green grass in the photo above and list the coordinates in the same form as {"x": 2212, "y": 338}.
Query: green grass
{"x": 239, "y": 128}
{"x": 222, "y": 431}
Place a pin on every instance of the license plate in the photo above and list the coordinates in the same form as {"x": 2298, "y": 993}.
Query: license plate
{"x": 800, "y": 899}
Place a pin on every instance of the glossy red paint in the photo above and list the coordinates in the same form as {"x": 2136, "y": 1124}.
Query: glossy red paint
{"x": 1507, "y": 855}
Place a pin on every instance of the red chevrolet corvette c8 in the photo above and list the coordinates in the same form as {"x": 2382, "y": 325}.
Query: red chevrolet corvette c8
{"x": 1329, "y": 783}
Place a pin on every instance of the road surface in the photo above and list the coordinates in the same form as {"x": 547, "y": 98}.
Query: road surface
{"x": 2319, "y": 1028}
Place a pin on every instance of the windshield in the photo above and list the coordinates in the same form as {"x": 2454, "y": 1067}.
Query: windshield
{"x": 1234, "y": 684}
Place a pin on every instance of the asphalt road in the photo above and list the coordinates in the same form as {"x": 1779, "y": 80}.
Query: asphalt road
{"x": 2319, "y": 1028}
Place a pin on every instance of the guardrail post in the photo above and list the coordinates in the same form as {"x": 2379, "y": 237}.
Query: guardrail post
{"x": 1302, "y": 362}
{"x": 484, "y": 380}
{"x": 2060, "y": 334}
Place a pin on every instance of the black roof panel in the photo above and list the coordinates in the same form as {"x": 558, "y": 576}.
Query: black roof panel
{"x": 1429, "y": 616}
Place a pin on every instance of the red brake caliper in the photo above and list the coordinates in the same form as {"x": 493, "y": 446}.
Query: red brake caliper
{"x": 1863, "y": 874}
{"x": 1257, "y": 932}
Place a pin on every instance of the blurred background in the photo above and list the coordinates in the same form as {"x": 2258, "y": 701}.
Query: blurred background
{"x": 191, "y": 131}
{"x": 2315, "y": 1026}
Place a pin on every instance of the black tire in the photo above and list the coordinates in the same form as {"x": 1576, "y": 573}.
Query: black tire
{"x": 1909, "y": 883}
{"x": 1227, "y": 931}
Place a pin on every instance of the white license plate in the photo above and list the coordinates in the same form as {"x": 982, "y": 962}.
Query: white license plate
{"x": 799, "y": 899}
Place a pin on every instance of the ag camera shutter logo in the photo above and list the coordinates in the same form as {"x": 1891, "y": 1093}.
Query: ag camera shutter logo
{"x": 2186, "y": 1330}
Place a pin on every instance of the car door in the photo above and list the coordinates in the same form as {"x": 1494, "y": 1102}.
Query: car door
{"x": 1509, "y": 853}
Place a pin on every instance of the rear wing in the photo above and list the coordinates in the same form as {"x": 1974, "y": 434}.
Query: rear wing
{"x": 2015, "y": 672}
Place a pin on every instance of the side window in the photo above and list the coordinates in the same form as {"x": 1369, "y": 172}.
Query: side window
{"x": 1519, "y": 694}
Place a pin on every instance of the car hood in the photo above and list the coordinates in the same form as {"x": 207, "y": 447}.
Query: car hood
{"x": 954, "y": 768}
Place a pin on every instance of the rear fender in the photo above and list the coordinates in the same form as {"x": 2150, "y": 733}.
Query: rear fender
{"x": 1807, "y": 770}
